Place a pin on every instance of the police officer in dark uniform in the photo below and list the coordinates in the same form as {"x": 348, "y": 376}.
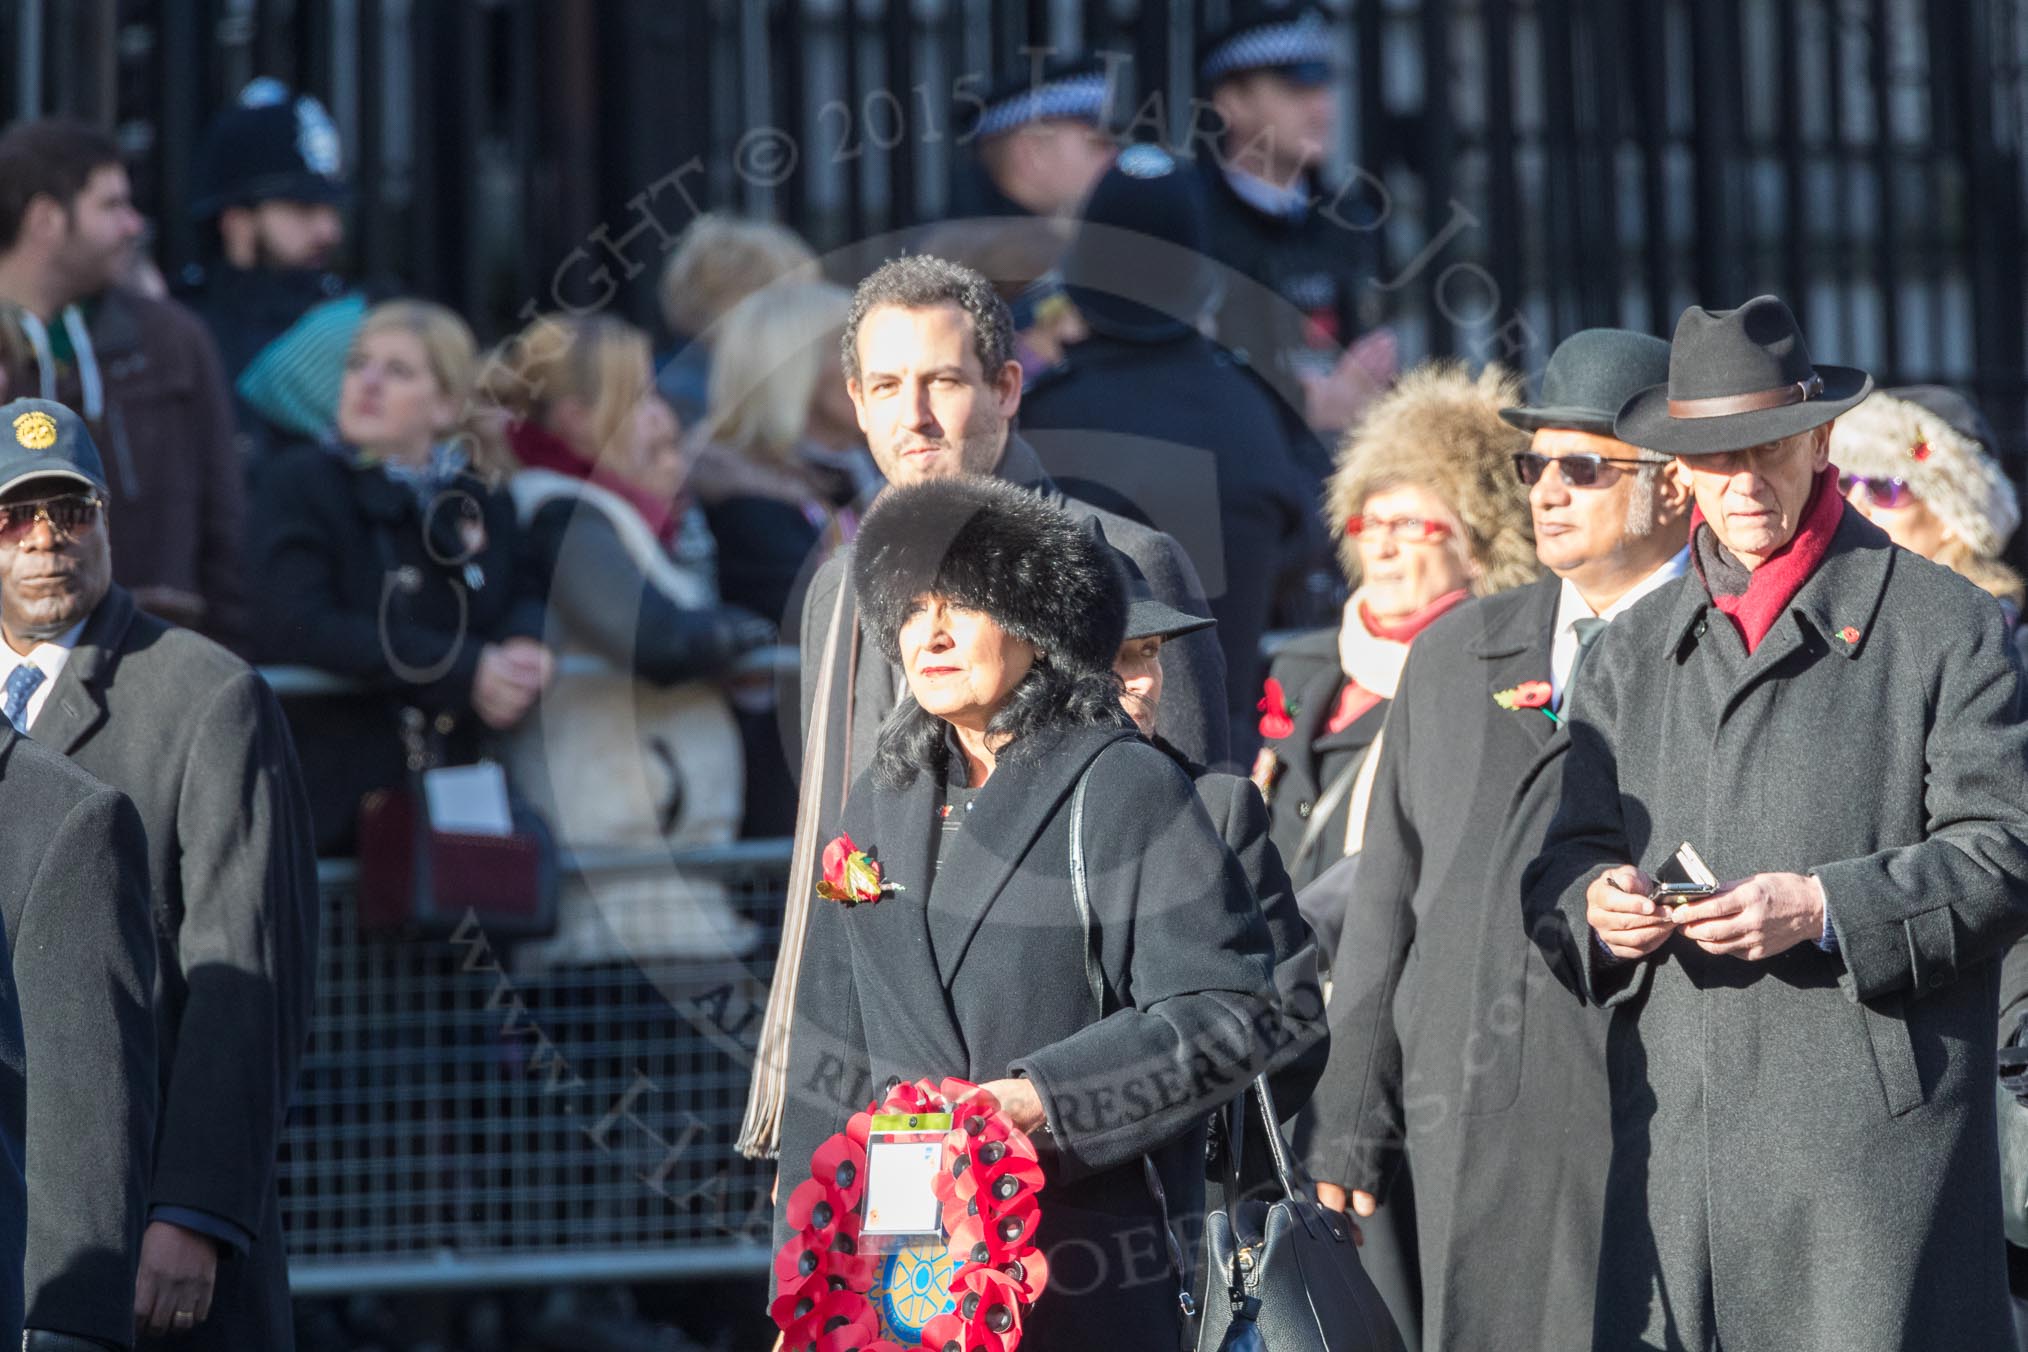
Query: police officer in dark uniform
{"x": 1038, "y": 141}
{"x": 1312, "y": 246}
{"x": 1148, "y": 418}
{"x": 270, "y": 188}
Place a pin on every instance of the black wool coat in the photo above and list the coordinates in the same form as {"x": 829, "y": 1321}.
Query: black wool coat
{"x": 355, "y": 582}
{"x": 1296, "y": 769}
{"x": 1454, "y": 1037}
{"x": 983, "y": 977}
{"x": 1160, "y": 432}
{"x": 197, "y": 740}
{"x": 1804, "y": 1148}
{"x": 76, "y": 912}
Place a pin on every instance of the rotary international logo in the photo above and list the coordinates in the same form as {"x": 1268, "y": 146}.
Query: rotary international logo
{"x": 35, "y": 430}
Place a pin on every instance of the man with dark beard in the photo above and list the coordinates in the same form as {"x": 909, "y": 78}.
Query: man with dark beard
{"x": 198, "y": 741}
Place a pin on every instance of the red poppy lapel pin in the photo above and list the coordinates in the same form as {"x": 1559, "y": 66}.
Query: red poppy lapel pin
{"x": 1275, "y": 720}
{"x": 1528, "y": 695}
{"x": 1850, "y": 633}
{"x": 851, "y": 875}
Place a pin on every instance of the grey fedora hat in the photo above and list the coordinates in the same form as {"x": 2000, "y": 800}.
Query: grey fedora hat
{"x": 1590, "y": 377}
{"x": 1738, "y": 379}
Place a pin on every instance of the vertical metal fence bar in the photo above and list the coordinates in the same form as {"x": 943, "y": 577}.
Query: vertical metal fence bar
{"x": 1887, "y": 239}
{"x": 1795, "y": 220}
{"x": 897, "y": 144}
{"x": 1438, "y": 143}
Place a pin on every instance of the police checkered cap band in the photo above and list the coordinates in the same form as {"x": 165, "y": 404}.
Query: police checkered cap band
{"x": 1079, "y": 97}
{"x": 1305, "y": 40}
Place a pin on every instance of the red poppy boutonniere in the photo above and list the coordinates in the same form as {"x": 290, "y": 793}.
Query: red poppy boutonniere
{"x": 851, "y": 875}
{"x": 1527, "y": 695}
{"x": 1275, "y": 721}
{"x": 1850, "y": 633}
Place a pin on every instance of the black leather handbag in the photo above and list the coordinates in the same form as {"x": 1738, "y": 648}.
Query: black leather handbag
{"x": 1285, "y": 1272}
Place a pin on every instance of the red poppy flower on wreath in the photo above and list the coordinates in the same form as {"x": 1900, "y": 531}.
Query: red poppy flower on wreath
{"x": 988, "y": 1190}
{"x": 1527, "y": 695}
{"x": 851, "y": 875}
{"x": 1275, "y": 721}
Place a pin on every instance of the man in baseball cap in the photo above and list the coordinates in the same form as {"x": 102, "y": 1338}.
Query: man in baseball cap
{"x": 197, "y": 740}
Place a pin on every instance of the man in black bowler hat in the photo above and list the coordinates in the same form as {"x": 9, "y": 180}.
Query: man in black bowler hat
{"x": 77, "y": 920}
{"x": 197, "y": 740}
{"x": 1801, "y": 1060}
{"x": 1459, "y": 1054}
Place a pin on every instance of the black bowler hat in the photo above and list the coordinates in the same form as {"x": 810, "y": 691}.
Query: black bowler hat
{"x": 1147, "y": 615}
{"x": 1590, "y": 376}
{"x": 1738, "y": 379}
{"x": 1293, "y": 38}
{"x": 1139, "y": 267}
{"x": 42, "y": 439}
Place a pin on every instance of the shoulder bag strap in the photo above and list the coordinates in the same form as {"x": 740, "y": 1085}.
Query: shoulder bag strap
{"x": 1095, "y": 977}
{"x": 1334, "y": 793}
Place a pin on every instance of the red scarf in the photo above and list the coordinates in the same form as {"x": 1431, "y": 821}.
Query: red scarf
{"x": 1774, "y": 584}
{"x": 536, "y": 447}
{"x": 1355, "y": 699}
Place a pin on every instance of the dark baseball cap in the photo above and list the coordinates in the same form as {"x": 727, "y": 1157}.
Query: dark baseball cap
{"x": 40, "y": 438}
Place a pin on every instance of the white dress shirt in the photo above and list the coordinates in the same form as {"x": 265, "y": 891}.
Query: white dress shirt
{"x": 50, "y": 655}
{"x": 1571, "y": 607}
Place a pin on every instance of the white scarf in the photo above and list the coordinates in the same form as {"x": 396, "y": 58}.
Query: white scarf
{"x": 1374, "y": 662}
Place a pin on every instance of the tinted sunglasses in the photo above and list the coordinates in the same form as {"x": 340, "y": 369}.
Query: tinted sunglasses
{"x": 1579, "y": 471}
{"x": 1405, "y": 529}
{"x": 1881, "y": 492}
{"x": 68, "y": 516}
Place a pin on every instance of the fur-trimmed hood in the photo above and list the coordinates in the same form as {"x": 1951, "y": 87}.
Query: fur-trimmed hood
{"x": 1933, "y": 440}
{"x": 1440, "y": 428}
{"x": 990, "y": 546}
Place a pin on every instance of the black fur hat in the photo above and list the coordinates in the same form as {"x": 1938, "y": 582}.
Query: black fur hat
{"x": 1004, "y": 551}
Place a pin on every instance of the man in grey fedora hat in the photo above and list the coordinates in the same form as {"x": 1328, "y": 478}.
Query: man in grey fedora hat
{"x": 1801, "y": 1062}
{"x": 1455, "y": 1045}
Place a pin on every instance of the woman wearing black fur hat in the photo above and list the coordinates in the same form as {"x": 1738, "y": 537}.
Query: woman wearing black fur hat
{"x": 1005, "y": 618}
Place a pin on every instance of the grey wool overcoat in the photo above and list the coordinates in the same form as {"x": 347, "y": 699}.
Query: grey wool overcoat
{"x": 982, "y": 976}
{"x": 1804, "y": 1147}
{"x": 1451, "y": 1035}
{"x": 195, "y": 737}
{"x": 76, "y": 910}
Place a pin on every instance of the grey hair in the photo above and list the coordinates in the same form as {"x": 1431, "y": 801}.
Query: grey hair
{"x": 1641, "y": 502}
{"x": 919, "y": 281}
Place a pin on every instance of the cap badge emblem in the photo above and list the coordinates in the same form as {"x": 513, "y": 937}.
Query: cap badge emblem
{"x": 35, "y": 430}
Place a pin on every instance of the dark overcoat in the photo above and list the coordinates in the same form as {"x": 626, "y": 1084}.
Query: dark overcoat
{"x": 983, "y": 977}
{"x": 1804, "y": 1148}
{"x": 1163, "y": 431}
{"x": 1453, "y": 1035}
{"x": 197, "y": 740}
{"x": 1299, "y": 767}
{"x": 355, "y": 580}
{"x": 76, "y": 911}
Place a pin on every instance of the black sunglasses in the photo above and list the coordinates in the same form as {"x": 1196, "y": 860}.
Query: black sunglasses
{"x": 1579, "y": 471}
{"x": 68, "y": 516}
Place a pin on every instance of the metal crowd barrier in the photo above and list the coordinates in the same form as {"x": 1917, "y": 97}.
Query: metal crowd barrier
{"x": 459, "y": 1125}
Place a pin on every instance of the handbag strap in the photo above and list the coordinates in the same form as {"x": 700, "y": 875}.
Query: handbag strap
{"x": 1327, "y": 804}
{"x": 1095, "y": 977}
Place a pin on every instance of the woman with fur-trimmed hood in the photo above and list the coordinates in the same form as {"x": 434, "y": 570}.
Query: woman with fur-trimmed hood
{"x": 1427, "y": 511}
{"x": 1916, "y": 462}
{"x": 1109, "y": 1039}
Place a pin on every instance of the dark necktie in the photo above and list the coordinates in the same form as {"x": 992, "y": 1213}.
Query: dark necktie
{"x": 1588, "y": 630}
{"x": 21, "y": 683}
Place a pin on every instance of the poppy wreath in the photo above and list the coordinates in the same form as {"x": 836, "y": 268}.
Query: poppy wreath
{"x": 987, "y": 1188}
